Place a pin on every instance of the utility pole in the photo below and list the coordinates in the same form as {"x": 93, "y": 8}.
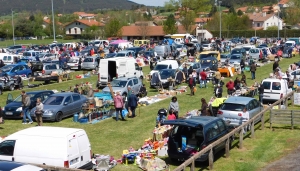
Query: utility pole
{"x": 53, "y": 22}
{"x": 220, "y": 19}
{"x": 13, "y": 26}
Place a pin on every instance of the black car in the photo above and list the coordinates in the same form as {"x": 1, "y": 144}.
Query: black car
{"x": 13, "y": 107}
{"x": 136, "y": 50}
{"x": 191, "y": 135}
{"x": 210, "y": 62}
{"x": 17, "y": 166}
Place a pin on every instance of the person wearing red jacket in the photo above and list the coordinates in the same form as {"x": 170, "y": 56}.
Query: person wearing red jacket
{"x": 202, "y": 78}
{"x": 230, "y": 87}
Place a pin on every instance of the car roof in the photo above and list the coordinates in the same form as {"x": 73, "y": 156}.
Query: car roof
{"x": 208, "y": 52}
{"x": 274, "y": 79}
{"x": 194, "y": 121}
{"x": 36, "y": 92}
{"x": 167, "y": 62}
{"x": 9, "y": 165}
{"x": 125, "y": 78}
{"x": 64, "y": 93}
{"x": 238, "y": 100}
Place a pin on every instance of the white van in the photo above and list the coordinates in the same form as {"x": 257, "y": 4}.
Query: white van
{"x": 31, "y": 54}
{"x": 53, "y": 146}
{"x": 118, "y": 66}
{"x": 290, "y": 43}
{"x": 9, "y": 58}
{"x": 166, "y": 64}
{"x": 275, "y": 89}
{"x": 100, "y": 42}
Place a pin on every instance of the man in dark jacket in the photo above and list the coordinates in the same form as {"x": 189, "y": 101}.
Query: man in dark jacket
{"x": 191, "y": 82}
{"x": 132, "y": 103}
{"x": 261, "y": 92}
{"x": 275, "y": 66}
{"x": 253, "y": 70}
{"x": 25, "y": 107}
{"x": 218, "y": 91}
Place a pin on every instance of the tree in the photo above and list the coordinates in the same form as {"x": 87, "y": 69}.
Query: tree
{"x": 143, "y": 30}
{"x": 196, "y": 5}
{"x": 188, "y": 20}
{"x": 213, "y": 10}
{"x": 240, "y": 13}
{"x": 113, "y": 28}
{"x": 169, "y": 26}
{"x": 272, "y": 28}
{"x": 232, "y": 10}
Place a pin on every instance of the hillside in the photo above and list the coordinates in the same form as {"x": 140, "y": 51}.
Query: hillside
{"x": 62, "y": 6}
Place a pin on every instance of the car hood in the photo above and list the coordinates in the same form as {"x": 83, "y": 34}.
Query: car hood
{"x": 115, "y": 89}
{"x": 13, "y": 105}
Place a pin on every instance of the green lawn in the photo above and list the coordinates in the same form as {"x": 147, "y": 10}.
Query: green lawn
{"x": 111, "y": 137}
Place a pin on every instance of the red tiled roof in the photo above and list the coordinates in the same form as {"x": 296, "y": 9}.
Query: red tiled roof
{"x": 48, "y": 21}
{"x": 84, "y": 14}
{"x": 201, "y": 20}
{"x": 202, "y": 13}
{"x": 243, "y": 9}
{"x": 259, "y": 16}
{"x": 181, "y": 29}
{"x": 88, "y": 23}
{"x": 136, "y": 30}
{"x": 283, "y": 1}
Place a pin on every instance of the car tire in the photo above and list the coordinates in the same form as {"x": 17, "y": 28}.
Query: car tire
{"x": 58, "y": 116}
{"x": 12, "y": 87}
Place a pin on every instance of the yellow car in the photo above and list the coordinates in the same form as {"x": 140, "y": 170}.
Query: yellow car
{"x": 207, "y": 54}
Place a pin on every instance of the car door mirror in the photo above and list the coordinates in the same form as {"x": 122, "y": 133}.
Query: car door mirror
{"x": 66, "y": 103}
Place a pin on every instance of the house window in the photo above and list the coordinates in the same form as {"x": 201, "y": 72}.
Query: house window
{"x": 78, "y": 23}
{"x": 257, "y": 24}
{"x": 75, "y": 29}
{"x": 80, "y": 30}
{"x": 267, "y": 24}
{"x": 69, "y": 30}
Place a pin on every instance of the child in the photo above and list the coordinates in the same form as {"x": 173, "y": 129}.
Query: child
{"x": 245, "y": 118}
{"x": 161, "y": 117}
{"x": 171, "y": 115}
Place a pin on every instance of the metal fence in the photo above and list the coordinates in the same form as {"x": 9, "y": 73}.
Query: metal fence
{"x": 239, "y": 130}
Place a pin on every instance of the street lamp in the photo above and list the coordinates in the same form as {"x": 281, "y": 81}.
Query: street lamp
{"x": 220, "y": 18}
{"x": 53, "y": 23}
{"x": 278, "y": 10}
{"x": 13, "y": 26}
{"x": 254, "y": 28}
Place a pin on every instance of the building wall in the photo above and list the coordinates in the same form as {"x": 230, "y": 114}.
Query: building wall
{"x": 75, "y": 28}
{"x": 272, "y": 21}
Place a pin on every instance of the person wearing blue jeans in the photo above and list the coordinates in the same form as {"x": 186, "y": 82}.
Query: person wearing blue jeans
{"x": 25, "y": 107}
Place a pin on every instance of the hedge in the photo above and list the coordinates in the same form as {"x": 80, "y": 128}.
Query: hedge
{"x": 259, "y": 33}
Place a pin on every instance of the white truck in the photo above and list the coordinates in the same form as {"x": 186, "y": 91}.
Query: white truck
{"x": 115, "y": 67}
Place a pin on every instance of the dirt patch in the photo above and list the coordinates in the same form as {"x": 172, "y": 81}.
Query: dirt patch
{"x": 289, "y": 162}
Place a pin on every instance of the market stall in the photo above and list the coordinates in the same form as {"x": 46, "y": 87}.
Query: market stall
{"x": 228, "y": 71}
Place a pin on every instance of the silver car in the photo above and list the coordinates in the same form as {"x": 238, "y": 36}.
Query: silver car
{"x": 60, "y": 105}
{"x": 235, "y": 58}
{"x": 232, "y": 109}
{"x": 121, "y": 85}
{"x": 254, "y": 53}
{"x": 90, "y": 63}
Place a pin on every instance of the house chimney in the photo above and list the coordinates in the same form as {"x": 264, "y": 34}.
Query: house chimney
{"x": 264, "y": 14}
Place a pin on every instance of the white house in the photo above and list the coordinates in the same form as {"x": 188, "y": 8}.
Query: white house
{"x": 263, "y": 20}
{"x": 83, "y": 15}
{"x": 77, "y": 27}
{"x": 202, "y": 34}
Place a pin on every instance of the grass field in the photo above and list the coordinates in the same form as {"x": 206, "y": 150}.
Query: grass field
{"x": 110, "y": 137}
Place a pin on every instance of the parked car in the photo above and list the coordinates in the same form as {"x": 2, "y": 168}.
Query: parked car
{"x": 90, "y": 63}
{"x": 235, "y": 58}
{"x": 254, "y": 53}
{"x": 73, "y": 63}
{"x": 195, "y": 65}
{"x": 207, "y": 47}
{"x": 136, "y": 50}
{"x": 16, "y": 166}
{"x": 232, "y": 109}
{"x": 224, "y": 57}
{"x": 126, "y": 53}
{"x": 165, "y": 74}
{"x": 240, "y": 51}
{"x": 13, "y": 107}
{"x": 61, "y": 105}
{"x": 208, "y": 54}
{"x": 47, "y": 69}
{"x": 46, "y": 56}
{"x": 275, "y": 89}
{"x": 191, "y": 135}
{"x": 9, "y": 85}
{"x": 16, "y": 69}
{"x": 121, "y": 85}
{"x": 211, "y": 63}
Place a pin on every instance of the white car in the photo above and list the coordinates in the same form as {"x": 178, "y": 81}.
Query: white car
{"x": 73, "y": 63}
{"x": 207, "y": 46}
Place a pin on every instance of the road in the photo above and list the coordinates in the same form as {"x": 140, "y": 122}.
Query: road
{"x": 287, "y": 163}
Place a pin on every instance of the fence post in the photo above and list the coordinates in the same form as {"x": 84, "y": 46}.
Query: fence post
{"x": 193, "y": 166}
{"x": 286, "y": 102}
{"x": 252, "y": 129}
{"x": 279, "y": 105}
{"x": 270, "y": 119}
{"x": 227, "y": 147}
{"x": 292, "y": 112}
{"x": 292, "y": 99}
{"x": 241, "y": 139}
{"x": 211, "y": 159}
{"x": 262, "y": 121}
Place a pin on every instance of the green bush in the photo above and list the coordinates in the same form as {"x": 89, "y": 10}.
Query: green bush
{"x": 68, "y": 38}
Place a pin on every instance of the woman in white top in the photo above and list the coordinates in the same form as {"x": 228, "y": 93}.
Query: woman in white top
{"x": 194, "y": 74}
{"x": 245, "y": 118}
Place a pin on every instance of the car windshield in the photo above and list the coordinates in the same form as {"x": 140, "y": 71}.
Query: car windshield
{"x": 160, "y": 67}
{"x": 236, "y": 51}
{"x": 247, "y": 48}
{"x": 26, "y": 54}
{"x": 88, "y": 60}
{"x": 19, "y": 98}
{"x": 205, "y": 45}
{"x": 7, "y": 68}
{"x": 54, "y": 100}
{"x": 73, "y": 60}
{"x": 118, "y": 83}
{"x": 223, "y": 56}
{"x": 121, "y": 54}
{"x": 208, "y": 55}
{"x": 166, "y": 74}
{"x": 253, "y": 51}
{"x": 235, "y": 57}
{"x": 232, "y": 107}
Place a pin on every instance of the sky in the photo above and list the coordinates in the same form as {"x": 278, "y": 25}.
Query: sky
{"x": 151, "y": 2}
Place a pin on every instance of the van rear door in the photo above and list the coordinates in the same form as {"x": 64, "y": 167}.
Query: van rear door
{"x": 267, "y": 89}
{"x": 84, "y": 148}
{"x": 122, "y": 69}
{"x": 277, "y": 89}
{"x": 103, "y": 71}
{"x": 131, "y": 68}
{"x": 7, "y": 150}
{"x": 73, "y": 151}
